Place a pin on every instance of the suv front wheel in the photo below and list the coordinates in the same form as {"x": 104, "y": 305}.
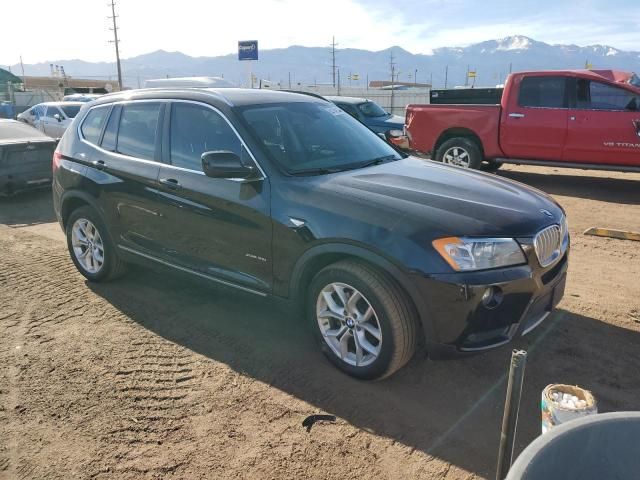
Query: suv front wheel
{"x": 364, "y": 323}
{"x": 90, "y": 246}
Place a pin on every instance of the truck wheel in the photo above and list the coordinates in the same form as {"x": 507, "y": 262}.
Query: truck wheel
{"x": 90, "y": 246}
{"x": 363, "y": 321}
{"x": 460, "y": 152}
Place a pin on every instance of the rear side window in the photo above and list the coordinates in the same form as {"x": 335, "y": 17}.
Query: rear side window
{"x": 600, "y": 96}
{"x": 138, "y": 130}
{"x": 543, "y": 92}
{"x": 196, "y": 129}
{"x": 109, "y": 140}
{"x": 92, "y": 124}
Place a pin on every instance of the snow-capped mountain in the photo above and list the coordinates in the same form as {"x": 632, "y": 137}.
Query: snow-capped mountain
{"x": 491, "y": 60}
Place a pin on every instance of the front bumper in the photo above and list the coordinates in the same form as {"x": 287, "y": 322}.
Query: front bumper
{"x": 461, "y": 323}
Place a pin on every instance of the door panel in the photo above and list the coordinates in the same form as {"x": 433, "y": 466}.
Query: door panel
{"x": 534, "y": 123}
{"x": 220, "y": 227}
{"x": 128, "y": 183}
{"x": 601, "y": 128}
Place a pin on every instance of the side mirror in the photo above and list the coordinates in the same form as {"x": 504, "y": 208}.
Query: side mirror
{"x": 57, "y": 117}
{"x": 224, "y": 164}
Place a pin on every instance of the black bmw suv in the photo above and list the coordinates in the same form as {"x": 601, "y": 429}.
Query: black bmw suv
{"x": 284, "y": 194}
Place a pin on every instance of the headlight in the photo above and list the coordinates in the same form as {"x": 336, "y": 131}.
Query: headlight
{"x": 465, "y": 254}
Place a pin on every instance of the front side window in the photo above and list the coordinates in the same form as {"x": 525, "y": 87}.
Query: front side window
{"x": 92, "y": 124}
{"x": 196, "y": 129}
{"x": 314, "y": 138}
{"x": 600, "y": 96}
{"x": 370, "y": 109}
{"x": 542, "y": 92}
{"x": 138, "y": 130}
{"x": 51, "y": 111}
{"x": 71, "y": 111}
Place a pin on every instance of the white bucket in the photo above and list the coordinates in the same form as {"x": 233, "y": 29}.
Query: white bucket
{"x": 563, "y": 403}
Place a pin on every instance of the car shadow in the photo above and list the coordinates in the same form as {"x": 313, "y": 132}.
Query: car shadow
{"x": 606, "y": 189}
{"x": 449, "y": 409}
{"x": 27, "y": 208}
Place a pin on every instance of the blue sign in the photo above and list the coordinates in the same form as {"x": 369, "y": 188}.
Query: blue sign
{"x": 248, "y": 50}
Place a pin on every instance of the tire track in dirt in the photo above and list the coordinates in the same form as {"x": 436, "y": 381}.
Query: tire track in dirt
{"x": 154, "y": 379}
{"x": 156, "y": 389}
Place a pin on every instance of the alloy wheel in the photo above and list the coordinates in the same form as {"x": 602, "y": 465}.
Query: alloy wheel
{"x": 349, "y": 324}
{"x": 457, "y": 156}
{"x": 88, "y": 246}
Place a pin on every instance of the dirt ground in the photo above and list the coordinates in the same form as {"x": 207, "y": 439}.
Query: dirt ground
{"x": 157, "y": 377}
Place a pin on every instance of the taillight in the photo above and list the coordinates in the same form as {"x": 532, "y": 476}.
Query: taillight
{"x": 57, "y": 156}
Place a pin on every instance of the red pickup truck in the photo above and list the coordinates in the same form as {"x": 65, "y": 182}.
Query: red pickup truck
{"x": 576, "y": 118}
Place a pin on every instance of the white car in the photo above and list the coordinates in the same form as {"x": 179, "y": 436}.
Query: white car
{"x": 51, "y": 118}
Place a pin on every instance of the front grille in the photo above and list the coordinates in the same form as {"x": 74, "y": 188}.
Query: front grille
{"x": 549, "y": 244}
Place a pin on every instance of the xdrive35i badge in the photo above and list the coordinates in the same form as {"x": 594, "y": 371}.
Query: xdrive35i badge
{"x": 546, "y": 212}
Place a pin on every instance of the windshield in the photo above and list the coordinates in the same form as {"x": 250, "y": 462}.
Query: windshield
{"x": 634, "y": 80}
{"x": 370, "y": 109}
{"x": 314, "y": 138}
{"x": 70, "y": 110}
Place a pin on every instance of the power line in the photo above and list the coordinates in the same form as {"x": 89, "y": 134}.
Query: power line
{"x": 116, "y": 41}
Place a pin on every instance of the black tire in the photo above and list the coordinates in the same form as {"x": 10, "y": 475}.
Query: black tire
{"x": 113, "y": 266}
{"x": 393, "y": 312}
{"x": 490, "y": 166}
{"x": 468, "y": 145}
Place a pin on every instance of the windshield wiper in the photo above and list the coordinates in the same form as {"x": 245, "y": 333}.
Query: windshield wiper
{"x": 376, "y": 161}
{"x": 316, "y": 171}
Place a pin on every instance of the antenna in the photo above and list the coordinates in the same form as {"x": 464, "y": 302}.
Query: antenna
{"x": 116, "y": 41}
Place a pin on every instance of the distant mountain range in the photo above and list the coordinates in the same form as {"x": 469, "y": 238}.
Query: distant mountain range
{"x": 492, "y": 61}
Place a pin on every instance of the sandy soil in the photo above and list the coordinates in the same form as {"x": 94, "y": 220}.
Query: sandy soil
{"x": 157, "y": 377}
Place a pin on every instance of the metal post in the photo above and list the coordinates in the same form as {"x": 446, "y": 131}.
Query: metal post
{"x": 510, "y": 416}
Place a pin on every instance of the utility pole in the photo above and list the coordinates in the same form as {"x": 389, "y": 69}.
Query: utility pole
{"x": 466, "y": 77}
{"x": 446, "y": 75}
{"x": 333, "y": 60}
{"x": 24, "y": 81}
{"x": 392, "y": 66}
{"x": 116, "y": 41}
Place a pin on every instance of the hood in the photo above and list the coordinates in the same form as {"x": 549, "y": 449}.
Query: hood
{"x": 392, "y": 122}
{"x": 435, "y": 200}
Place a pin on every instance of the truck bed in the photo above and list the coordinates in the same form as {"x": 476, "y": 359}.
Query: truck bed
{"x": 426, "y": 123}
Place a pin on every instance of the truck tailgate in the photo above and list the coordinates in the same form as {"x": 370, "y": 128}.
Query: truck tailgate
{"x": 426, "y": 124}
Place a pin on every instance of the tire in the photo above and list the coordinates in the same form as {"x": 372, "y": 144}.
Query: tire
{"x": 461, "y": 152}
{"x": 392, "y": 318}
{"x": 490, "y": 166}
{"x": 85, "y": 219}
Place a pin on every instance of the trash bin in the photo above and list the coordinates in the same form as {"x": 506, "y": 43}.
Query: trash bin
{"x": 596, "y": 447}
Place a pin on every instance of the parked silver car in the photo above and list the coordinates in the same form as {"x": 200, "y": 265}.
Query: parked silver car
{"x": 51, "y": 118}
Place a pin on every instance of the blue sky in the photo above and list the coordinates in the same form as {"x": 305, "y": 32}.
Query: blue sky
{"x": 213, "y": 27}
{"x": 460, "y": 22}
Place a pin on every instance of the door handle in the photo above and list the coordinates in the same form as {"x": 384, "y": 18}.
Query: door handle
{"x": 516, "y": 115}
{"x": 99, "y": 164}
{"x": 171, "y": 183}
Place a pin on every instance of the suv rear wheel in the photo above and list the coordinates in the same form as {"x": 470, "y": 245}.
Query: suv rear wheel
{"x": 460, "y": 152}
{"x": 90, "y": 247}
{"x": 364, "y": 323}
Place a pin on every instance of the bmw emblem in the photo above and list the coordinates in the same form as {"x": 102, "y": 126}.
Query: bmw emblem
{"x": 546, "y": 212}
